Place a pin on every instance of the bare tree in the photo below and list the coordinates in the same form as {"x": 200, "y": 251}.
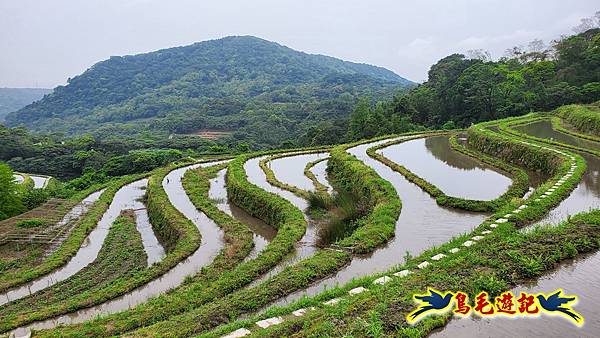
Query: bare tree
{"x": 514, "y": 52}
{"x": 479, "y": 54}
{"x": 537, "y": 46}
{"x": 588, "y": 23}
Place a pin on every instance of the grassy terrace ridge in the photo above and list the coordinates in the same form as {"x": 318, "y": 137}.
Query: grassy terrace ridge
{"x": 320, "y": 187}
{"x": 505, "y": 259}
{"x": 275, "y": 182}
{"x": 177, "y": 234}
{"x": 510, "y": 148}
{"x": 517, "y": 189}
{"x": 507, "y": 126}
{"x": 584, "y": 119}
{"x": 268, "y": 207}
{"x": 72, "y": 244}
{"x": 122, "y": 256}
{"x": 557, "y": 124}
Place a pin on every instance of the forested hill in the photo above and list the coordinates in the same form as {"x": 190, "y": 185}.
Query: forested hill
{"x": 263, "y": 91}
{"x": 13, "y": 99}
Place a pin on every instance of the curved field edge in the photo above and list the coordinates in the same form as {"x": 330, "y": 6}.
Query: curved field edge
{"x": 582, "y": 118}
{"x": 277, "y": 183}
{"x": 121, "y": 257}
{"x": 74, "y": 241}
{"x": 212, "y": 282}
{"x": 537, "y": 207}
{"x": 320, "y": 187}
{"x": 519, "y": 186}
{"x": 505, "y": 259}
{"x": 295, "y": 277}
{"x": 178, "y": 235}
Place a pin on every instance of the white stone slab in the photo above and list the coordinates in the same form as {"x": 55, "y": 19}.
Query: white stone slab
{"x": 507, "y": 215}
{"x": 382, "y": 280}
{"x": 265, "y": 323}
{"x": 486, "y": 232}
{"x": 524, "y": 206}
{"x": 438, "y": 257}
{"x": 333, "y": 301}
{"x": 454, "y": 250}
{"x": 468, "y": 243}
{"x": 501, "y": 220}
{"x": 357, "y": 290}
{"x": 477, "y": 238}
{"x": 238, "y": 333}
{"x": 402, "y": 273}
{"x": 423, "y": 265}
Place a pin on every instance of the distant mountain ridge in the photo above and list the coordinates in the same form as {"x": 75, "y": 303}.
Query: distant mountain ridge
{"x": 13, "y": 99}
{"x": 216, "y": 84}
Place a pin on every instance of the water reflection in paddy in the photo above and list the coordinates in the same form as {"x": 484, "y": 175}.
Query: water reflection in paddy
{"x": 579, "y": 277}
{"x": 586, "y": 195}
{"x": 421, "y": 225}
{"x": 290, "y": 169}
{"x": 262, "y": 232}
{"x": 456, "y": 174}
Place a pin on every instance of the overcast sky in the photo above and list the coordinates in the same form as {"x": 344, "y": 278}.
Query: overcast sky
{"x": 43, "y": 42}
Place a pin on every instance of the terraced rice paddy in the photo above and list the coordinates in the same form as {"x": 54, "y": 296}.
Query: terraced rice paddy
{"x": 433, "y": 212}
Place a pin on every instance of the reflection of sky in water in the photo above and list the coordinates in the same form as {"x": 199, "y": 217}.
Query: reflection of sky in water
{"x": 586, "y": 195}
{"x": 290, "y": 170}
{"x": 579, "y": 278}
{"x": 454, "y": 173}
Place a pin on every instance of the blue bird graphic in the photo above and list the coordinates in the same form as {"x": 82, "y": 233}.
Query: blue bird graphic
{"x": 557, "y": 303}
{"x": 434, "y": 301}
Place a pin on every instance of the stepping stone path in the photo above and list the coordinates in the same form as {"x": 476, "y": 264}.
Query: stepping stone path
{"x": 265, "y": 323}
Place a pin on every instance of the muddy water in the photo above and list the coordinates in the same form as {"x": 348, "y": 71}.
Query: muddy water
{"x": 18, "y": 178}
{"x": 320, "y": 172}
{"x": 421, "y": 225}
{"x": 586, "y": 195}
{"x": 73, "y": 214}
{"x": 306, "y": 247}
{"x": 124, "y": 199}
{"x": 154, "y": 250}
{"x": 290, "y": 169}
{"x": 39, "y": 182}
{"x": 262, "y": 232}
{"x": 456, "y": 174}
{"x": 579, "y": 277}
{"x": 212, "y": 243}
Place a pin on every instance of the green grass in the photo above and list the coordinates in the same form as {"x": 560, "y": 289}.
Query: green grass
{"x": 121, "y": 257}
{"x": 584, "y": 119}
{"x": 32, "y": 223}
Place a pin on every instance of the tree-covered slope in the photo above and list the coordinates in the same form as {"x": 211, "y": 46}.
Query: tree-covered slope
{"x": 240, "y": 84}
{"x": 13, "y": 99}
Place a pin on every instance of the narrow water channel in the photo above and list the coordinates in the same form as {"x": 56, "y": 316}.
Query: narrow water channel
{"x": 421, "y": 225}
{"x": 290, "y": 169}
{"x": 579, "y": 277}
{"x": 262, "y": 232}
{"x": 306, "y": 247}
{"x": 211, "y": 245}
{"x": 586, "y": 195}
{"x": 124, "y": 199}
{"x": 456, "y": 174}
{"x": 320, "y": 172}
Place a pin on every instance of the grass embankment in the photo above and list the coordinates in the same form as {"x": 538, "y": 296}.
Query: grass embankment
{"x": 272, "y": 208}
{"x": 517, "y": 189}
{"x": 213, "y": 283}
{"x": 177, "y": 234}
{"x": 121, "y": 257}
{"x": 72, "y": 244}
{"x": 505, "y": 259}
{"x": 584, "y": 119}
{"x": 277, "y": 183}
{"x": 320, "y": 187}
{"x": 497, "y": 226}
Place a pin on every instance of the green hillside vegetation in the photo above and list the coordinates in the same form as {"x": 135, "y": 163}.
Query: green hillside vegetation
{"x": 13, "y": 99}
{"x": 264, "y": 92}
